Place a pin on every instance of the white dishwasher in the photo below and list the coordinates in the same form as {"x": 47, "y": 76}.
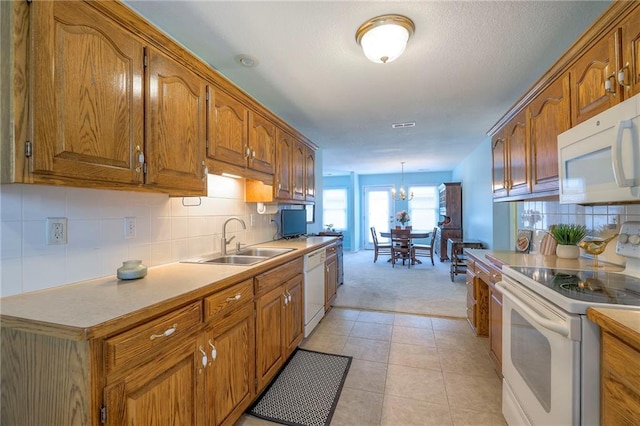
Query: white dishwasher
{"x": 313, "y": 289}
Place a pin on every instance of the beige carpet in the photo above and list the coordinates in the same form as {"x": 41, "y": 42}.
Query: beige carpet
{"x": 422, "y": 289}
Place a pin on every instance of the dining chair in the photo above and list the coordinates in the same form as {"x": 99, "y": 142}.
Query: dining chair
{"x": 426, "y": 250}
{"x": 401, "y": 247}
{"x": 377, "y": 247}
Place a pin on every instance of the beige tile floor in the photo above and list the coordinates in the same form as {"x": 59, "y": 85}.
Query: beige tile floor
{"x": 408, "y": 370}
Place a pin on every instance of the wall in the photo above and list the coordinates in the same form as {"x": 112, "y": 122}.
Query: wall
{"x": 167, "y": 230}
{"x": 601, "y": 221}
{"x": 482, "y": 219}
{"x": 354, "y": 235}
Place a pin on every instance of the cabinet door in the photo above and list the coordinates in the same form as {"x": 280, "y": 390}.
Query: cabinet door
{"x": 294, "y": 314}
{"x": 88, "y": 110}
{"x": 499, "y": 167}
{"x": 228, "y": 124}
{"x": 549, "y": 115}
{"x": 310, "y": 175}
{"x": 262, "y": 144}
{"x": 631, "y": 53}
{"x": 163, "y": 392}
{"x": 269, "y": 316}
{"x": 331, "y": 281}
{"x": 495, "y": 328}
{"x": 175, "y": 126}
{"x": 284, "y": 155}
{"x": 518, "y": 155}
{"x": 230, "y": 375}
{"x": 588, "y": 76}
{"x": 298, "y": 170}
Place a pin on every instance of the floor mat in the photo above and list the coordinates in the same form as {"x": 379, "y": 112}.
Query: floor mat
{"x": 306, "y": 391}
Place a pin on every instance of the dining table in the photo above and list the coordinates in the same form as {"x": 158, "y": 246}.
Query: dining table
{"x": 414, "y": 235}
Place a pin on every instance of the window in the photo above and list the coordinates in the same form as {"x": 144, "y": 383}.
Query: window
{"x": 423, "y": 208}
{"x": 334, "y": 213}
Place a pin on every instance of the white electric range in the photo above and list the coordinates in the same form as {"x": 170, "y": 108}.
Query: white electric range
{"x": 550, "y": 350}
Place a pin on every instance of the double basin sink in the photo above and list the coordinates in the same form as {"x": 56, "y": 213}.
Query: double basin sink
{"x": 244, "y": 257}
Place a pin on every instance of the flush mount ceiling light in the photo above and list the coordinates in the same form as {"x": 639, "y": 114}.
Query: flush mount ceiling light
{"x": 384, "y": 38}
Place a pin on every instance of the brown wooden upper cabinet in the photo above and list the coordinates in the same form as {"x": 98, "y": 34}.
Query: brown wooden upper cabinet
{"x": 518, "y": 155}
{"x": 593, "y": 80}
{"x": 88, "y": 111}
{"x": 548, "y": 115}
{"x": 176, "y": 135}
{"x": 310, "y": 174}
{"x": 510, "y": 153}
{"x": 298, "y": 171}
{"x": 228, "y": 129}
{"x": 283, "y": 182}
{"x": 262, "y": 144}
{"x": 90, "y": 125}
{"x": 499, "y": 163}
{"x": 630, "y": 37}
{"x": 609, "y": 72}
{"x": 240, "y": 137}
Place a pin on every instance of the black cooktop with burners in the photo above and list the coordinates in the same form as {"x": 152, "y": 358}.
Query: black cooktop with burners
{"x": 587, "y": 286}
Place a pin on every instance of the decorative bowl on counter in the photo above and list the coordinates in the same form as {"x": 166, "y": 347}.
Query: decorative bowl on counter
{"x": 132, "y": 270}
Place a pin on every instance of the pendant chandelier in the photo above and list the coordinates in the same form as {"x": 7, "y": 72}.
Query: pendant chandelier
{"x": 402, "y": 194}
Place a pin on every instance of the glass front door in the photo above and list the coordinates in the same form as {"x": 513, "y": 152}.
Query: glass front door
{"x": 378, "y": 212}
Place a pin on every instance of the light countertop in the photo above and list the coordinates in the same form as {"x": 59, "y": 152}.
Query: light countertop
{"x": 512, "y": 258}
{"x": 87, "y": 309}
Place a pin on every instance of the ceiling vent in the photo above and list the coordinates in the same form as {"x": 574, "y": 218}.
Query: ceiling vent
{"x": 403, "y": 125}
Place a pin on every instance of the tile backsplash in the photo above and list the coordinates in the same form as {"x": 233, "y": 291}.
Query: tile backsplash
{"x": 167, "y": 230}
{"x": 601, "y": 221}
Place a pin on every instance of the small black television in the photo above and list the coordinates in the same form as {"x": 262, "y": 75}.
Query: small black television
{"x": 293, "y": 222}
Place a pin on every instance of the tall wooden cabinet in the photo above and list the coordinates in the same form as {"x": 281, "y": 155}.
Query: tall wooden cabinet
{"x": 450, "y": 224}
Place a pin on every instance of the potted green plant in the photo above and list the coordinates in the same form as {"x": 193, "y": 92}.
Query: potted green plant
{"x": 568, "y": 236}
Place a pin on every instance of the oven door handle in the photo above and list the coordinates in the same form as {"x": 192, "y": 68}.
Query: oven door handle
{"x": 556, "y": 327}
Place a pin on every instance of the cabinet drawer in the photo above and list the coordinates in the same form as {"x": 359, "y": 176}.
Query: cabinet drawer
{"x": 471, "y": 293}
{"x": 278, "y": 275}
{"x": 331, "y": 250}
{"x": 224, "y": 301}
{"x": 131, "y": 346}
{"x": 483, "y": 272}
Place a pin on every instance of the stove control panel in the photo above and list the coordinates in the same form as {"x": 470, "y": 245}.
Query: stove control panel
{"x": 628, "y": 243}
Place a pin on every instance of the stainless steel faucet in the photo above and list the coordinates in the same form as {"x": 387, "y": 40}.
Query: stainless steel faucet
{"x": 224, "y": 242}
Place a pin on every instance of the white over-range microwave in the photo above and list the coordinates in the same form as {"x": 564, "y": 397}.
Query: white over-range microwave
{"x": 599, "y": 159}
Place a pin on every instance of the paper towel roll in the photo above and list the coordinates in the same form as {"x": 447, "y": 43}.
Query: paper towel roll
{"x": 267, "y": 208}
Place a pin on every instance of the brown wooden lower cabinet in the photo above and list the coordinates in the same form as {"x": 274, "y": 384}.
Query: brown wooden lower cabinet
{"x": 330, "y": 277}
{"x": 279, "y": 319}
{"x": 200, "y": 364}
{"x": 484, "y": 304}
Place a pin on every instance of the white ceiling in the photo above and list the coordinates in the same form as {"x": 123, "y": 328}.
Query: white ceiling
{"x": 467, "y": 63}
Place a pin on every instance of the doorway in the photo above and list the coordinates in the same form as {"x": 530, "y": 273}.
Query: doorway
{"x": 378, "y": 212}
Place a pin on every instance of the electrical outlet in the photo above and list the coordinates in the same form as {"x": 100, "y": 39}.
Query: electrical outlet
{"x": 56, "y": 230}
{"x": 129, "y": 227}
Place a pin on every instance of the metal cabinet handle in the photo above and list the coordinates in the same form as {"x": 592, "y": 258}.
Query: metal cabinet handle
{"x": 205, "y": 171}
{"x": 234, "y": 298}
{"x": 205, "y": 360}
{"x": 214, "y": 351}
{"x": 168, "y": 332}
